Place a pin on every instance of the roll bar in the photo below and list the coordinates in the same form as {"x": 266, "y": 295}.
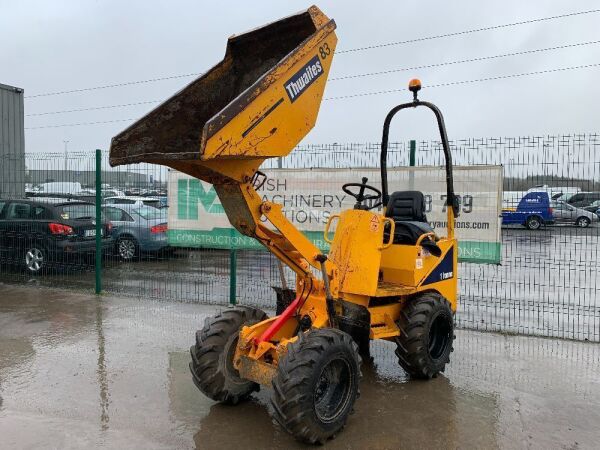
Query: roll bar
{"x": 414, "y": 86}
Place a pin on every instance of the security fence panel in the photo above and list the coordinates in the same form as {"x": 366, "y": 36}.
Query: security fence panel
{"x": 141, "y": 262}
{"x": 47, "y": 233}
{"x": 546, "y": 282}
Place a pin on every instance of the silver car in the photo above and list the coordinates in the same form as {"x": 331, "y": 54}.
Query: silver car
{"x": 567, "y": 214}
{"x": 137, "y": 229}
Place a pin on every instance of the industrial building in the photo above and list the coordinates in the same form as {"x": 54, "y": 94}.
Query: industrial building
{"x": 12, "y": 142}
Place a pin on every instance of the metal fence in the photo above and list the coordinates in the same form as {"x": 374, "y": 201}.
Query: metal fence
{"x": 547, "y": 283}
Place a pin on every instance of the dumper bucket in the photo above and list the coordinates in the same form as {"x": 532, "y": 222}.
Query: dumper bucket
{"x": 257, "y": 103}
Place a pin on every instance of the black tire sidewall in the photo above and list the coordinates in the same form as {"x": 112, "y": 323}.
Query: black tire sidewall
{"x": 231, "y": 375}
{"x": 439, "y": 363}
{"x": 413, "y": 341}
{"x": 583, "y": 219}
{"x": 331, "y": 354}
{"x": 533, "y": 219}
{"x": 210, "y": 365}
{"x": 295, "y": 383}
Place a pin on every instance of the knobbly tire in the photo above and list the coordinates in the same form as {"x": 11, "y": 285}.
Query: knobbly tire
{"x": 212, "y": 356}
{"x": 426, "y": 335}
{"x": 316, "y": 385}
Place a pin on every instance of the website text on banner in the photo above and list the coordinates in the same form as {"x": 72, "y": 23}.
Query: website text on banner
{"x": 310, "y": 196}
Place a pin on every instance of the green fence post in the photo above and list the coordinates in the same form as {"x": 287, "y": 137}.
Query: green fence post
{"x": 98, "y": 221}
{"x": 413, "y": 151}
{"x": 232, "y": 276}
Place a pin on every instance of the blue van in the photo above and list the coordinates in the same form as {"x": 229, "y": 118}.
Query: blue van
{"x": 532, "y": 212}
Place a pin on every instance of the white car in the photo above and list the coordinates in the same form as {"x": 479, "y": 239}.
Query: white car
{"x": 132, "y": 200}
{"x": 59, "y": 187}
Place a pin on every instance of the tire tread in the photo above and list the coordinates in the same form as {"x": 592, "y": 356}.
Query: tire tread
{"x": 411, "y": 345}
{"x": 211, "y": 340}
{"x": 290, "y": 395}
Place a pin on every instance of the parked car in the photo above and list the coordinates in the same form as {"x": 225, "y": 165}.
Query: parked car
{"x": 37, "y": 233}
{"x": 565, "y": 213}
{"x": 59, "y": 187}
{"x": 81, "y": 196}
{"x": 133, "y": 191}
{"x": 30, "y": 189}
{"x": 133, "y": 200}
{"x": 112, "y": 192}
{"x": 154, "y": 193}
{"x": 583, "y": 199}
{"x": 164, "y": 201}
{"x": 532, "y": 211}
{"x": 137, "y": 229}
{"x": 594, "y": 207}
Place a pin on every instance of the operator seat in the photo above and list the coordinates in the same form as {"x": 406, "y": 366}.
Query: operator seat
{"x": 407, "y": 208}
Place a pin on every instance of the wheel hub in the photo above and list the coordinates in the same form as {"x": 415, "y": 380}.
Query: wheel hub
{"x": 34, "y": 259}
{"x": 332, "y": 391}
{"x": 126, "y": 248}
{"x": 439, "y": 336}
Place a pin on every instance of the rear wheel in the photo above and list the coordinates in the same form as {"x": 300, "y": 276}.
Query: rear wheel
{"x": 316, "y": 385}
{"x": 127, "y": 248}
{"x": 533, "y": 223}
{"x": 426, "y": 335}
{"x": 212, "y": 356}
{"x": 35, "y": 259}
{"x": 583, "y": 222}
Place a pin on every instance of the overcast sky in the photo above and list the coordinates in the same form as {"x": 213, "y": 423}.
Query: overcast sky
{"x": 49, "y": 46}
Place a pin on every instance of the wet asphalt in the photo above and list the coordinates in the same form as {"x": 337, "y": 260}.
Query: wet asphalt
{"x": 79, "y": 371}
{"x": 547, "y": 284}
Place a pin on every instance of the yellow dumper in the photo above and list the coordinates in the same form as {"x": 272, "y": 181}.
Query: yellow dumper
{"x": 387, "y": 275}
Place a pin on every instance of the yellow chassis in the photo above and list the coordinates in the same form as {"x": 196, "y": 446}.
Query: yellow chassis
{"x": 397, "y": 277}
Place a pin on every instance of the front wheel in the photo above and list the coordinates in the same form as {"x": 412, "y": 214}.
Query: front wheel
{"x": 212, "y": 357}
{"x": 316, "y": 385}
{"x": 426, "y": 335}
{"x": 583, "y": 222}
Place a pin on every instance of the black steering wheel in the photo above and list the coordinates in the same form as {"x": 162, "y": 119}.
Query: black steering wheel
{"x": 360, "y": 196}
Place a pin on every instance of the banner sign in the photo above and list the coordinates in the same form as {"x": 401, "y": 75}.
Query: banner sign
{"x": 310, "y": 196}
